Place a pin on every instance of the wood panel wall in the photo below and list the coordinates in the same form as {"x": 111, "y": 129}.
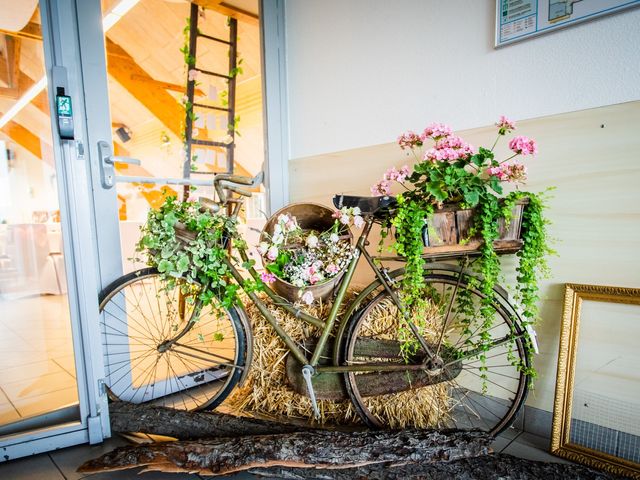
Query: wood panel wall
{"x": 592, "y": 157}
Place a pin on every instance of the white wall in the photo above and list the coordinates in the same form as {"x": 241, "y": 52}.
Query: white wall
{"x": 362, "y": 71}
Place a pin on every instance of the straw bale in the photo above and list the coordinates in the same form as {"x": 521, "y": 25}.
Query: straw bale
{"x": 267, "y": 390}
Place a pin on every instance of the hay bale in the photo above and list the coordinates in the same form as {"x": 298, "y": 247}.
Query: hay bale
{"x": 267, "y": 390}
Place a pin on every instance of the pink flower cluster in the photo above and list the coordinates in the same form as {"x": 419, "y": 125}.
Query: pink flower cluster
{"x": 436, "y": 131}
{"x": 381, "y": 189}
{"x": 409, "y": 140}
{"x": 509, "y": 173}
{"x": 267, "y": 277}
{"x": 523, "y": 145}
{"x": 397, "y": 175}
{"x": 505, "y": 125}
{"x": 450, "y": 149}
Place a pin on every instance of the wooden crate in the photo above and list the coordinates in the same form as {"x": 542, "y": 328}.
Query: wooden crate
{"x": 447, "y": 232}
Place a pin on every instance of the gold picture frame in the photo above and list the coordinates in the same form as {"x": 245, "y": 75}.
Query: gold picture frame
{"x": 561, "y": 435}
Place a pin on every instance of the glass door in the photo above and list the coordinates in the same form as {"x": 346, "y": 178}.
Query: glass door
{"x": 171, "y": 93}
{"x": 37, "y": 362}
{"x": 51, "y": 253}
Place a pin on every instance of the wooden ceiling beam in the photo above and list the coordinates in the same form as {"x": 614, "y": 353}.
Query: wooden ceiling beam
{"x": 23, "y": 137}
{"x": 232, "y": 11}
{"x": 166, "y": 85}
{"x": 13, "y": 60}
{"x": 123, "y": 68}
{"x": 31, "y": 30}
{"x": 24, "y": 83}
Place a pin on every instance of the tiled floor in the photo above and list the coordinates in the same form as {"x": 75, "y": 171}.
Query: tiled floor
{"x": 37, "y": 373}
{"x": 62, "y": 464}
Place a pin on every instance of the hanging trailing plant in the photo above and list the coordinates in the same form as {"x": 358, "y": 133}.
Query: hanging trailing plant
{"x": 189, "y": 246}
{"x": 453, "y": 172}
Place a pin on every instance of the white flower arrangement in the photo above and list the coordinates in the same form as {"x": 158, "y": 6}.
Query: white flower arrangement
{"x": 307, "y": 257}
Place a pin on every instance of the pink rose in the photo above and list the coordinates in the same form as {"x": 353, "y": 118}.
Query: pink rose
{"x": 332, "y": 268}
{"x": 272, "y": 253}
{"x": 307, "y": 297}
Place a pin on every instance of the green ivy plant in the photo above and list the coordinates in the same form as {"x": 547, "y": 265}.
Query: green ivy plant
{"x": 195, "y": 258}
{"x": 452, "y": 172}
{"x": 192, "y": 74}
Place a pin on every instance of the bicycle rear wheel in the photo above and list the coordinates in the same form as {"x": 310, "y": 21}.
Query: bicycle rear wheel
{"x": 480, "y": 382}
{"x": 142, "y": 317}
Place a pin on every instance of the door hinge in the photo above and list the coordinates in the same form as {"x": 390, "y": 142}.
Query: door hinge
{"x": 102, "y": 387}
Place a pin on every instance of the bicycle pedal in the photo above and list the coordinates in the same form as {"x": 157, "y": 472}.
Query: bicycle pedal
{"x": 307, "y": 372}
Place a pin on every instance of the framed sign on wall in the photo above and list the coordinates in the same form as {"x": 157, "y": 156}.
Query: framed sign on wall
{"x": 520, "y": 19}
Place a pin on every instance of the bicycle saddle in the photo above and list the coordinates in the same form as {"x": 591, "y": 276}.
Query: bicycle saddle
{"x": 367, "y": 205}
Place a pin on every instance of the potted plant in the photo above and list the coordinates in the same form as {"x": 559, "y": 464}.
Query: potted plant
{"x": 451, "y": 176}
{"x": 306, "y": 248}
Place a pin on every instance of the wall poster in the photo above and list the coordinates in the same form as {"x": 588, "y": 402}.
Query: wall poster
{"x": 520, "y": 19}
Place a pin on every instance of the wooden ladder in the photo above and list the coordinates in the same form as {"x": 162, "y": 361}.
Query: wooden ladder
{"x": 229, "y": 76}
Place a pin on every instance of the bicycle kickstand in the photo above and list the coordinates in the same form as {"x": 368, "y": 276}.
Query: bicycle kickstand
{"x": 307, "y": 372}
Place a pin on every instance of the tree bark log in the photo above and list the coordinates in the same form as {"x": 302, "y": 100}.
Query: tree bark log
{"x": 488, "y": 467}
{"x": 130, "y": 417}
{"x": 319, "y": 449}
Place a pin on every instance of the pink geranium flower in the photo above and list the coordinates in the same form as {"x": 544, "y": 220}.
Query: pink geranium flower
{"x": 396, "y": 175}
{"x": 409, "y": 140}
{"x": 505, "y": 125}
{"x": 436, "y": 131}
{"x": 516, "y": 172}
{"x": 383, "y": 187}
{"x": 497, "y": 172}
{"x": 523, "y": 145}
{"x": 509, "y": 173}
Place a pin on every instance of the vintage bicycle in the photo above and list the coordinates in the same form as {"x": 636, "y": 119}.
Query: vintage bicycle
{"x": 162, "y": 349}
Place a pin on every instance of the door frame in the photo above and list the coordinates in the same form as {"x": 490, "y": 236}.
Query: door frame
{"x": 86, "y": 248}
{"x": 275, "y": 105}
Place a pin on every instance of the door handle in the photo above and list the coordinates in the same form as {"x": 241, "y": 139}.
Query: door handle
{"x": 107, "y": 164}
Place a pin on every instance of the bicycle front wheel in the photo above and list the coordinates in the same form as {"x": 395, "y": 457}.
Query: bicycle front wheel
{"x": 156, "y": 352}
{"x": 471, "y": 377}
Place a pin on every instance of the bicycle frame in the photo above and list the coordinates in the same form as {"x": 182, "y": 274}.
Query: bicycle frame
{"x": 327, "y": 325}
